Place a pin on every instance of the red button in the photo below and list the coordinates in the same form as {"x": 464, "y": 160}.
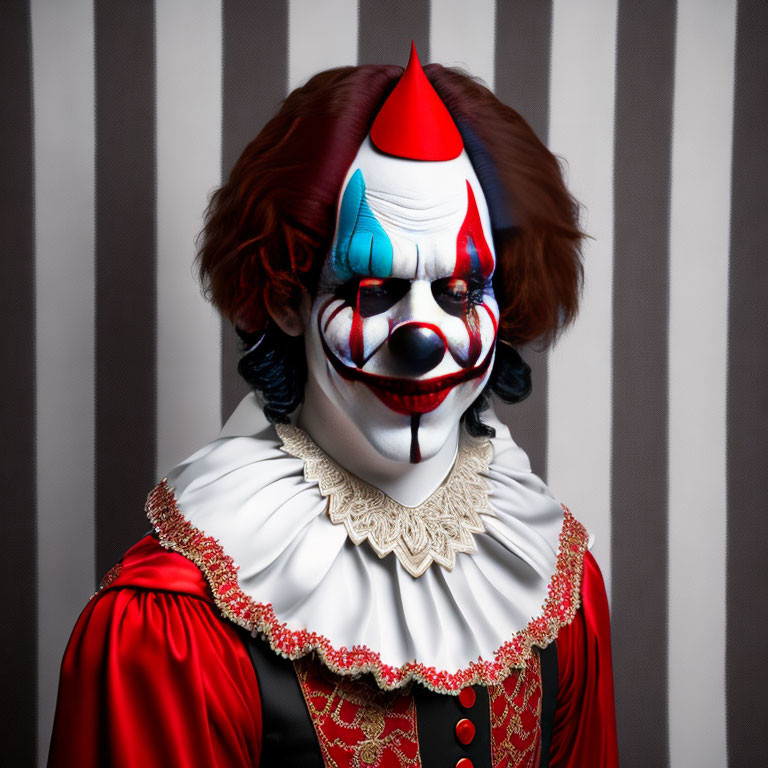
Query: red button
{"x": 465, "y": 762}
{"x": 465, "y": 731}
{"x": 467, "y": 697}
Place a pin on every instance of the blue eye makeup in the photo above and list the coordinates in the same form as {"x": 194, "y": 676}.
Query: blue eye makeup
{"x": 362, "y": 247}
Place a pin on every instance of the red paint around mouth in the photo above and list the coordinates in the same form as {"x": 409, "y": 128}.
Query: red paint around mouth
{"x": 409, "y": 405}
{"x": 408, "y": 396}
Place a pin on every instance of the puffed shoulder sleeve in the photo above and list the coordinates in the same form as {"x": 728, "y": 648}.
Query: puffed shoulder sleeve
{"x": 584, "y": 732}
{"x": 155, "y": 678}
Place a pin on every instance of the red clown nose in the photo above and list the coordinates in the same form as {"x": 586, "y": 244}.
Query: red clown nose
{"x": 414, "y": 123}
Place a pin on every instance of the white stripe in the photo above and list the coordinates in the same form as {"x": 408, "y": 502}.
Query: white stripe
{"x": 699, "y": 240}
{"x": 581, "y": 113}
{"x": 461, "y": 34}
{"x": 188, "y": 56}
{"x": 320, "y": 36}
{"x": 64, "y": 135}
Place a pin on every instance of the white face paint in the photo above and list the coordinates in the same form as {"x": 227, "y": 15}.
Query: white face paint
{"x": 403, "y": 327}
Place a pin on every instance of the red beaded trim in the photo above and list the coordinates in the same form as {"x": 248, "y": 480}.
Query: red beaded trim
{"x": 109, "y": 578}
{"x": 178, "y": 534}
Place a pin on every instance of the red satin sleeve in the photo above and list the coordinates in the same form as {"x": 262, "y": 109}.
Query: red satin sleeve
{"x": 584, "y": 733}
{"x": 154, "y": 678}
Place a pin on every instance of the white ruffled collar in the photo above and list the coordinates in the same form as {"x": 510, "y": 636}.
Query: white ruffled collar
{"x": 242, "y": 510}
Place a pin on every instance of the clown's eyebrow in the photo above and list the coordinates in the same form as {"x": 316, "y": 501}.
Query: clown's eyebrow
{"x": 362, "y": 247}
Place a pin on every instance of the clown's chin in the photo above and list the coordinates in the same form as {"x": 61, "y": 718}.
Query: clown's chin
{"x": 405, "y": 429}
{"x": 411, "y": 438}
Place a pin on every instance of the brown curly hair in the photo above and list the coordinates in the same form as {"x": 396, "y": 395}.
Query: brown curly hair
{"x": 270, "y": 226}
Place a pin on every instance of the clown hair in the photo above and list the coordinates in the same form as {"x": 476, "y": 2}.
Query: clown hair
{"x": 270, "y": 226}
{"x": 274, "y": 366}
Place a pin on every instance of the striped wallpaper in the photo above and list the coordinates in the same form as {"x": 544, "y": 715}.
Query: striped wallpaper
{"x": 649, "y": 418}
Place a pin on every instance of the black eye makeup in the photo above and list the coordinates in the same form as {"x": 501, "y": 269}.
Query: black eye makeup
{"x": 456, "y": 295}
{"x": 373, "y": 295}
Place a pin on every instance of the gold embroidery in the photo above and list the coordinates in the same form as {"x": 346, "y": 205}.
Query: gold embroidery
{"x": 434, "y": 531}
{"x": 357, "y": 724}
{"x": 373, "y": 724}
{"x": 515, "y": 705}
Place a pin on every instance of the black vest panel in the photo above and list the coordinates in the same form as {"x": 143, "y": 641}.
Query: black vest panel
{"x": 549, "y": 684}
{"x": 288, "y": 736}
{"x": 436, "y": 718}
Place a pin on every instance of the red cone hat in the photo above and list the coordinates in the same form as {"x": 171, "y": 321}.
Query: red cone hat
{"x": 414, "y": 122}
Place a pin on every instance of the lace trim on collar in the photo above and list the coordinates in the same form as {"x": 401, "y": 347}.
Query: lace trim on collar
{"x": 434, "y": 531}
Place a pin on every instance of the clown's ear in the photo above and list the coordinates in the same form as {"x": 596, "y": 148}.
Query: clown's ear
{"x": 292, "y": 321}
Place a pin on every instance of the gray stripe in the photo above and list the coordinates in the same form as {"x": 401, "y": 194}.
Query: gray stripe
{"x": 18, "y": 588}
{"x": 460, "y": 34}
{"x": 62, "y": 46}
{"x": 698, "y": 329}
{"x": 386, "y": 30}
{"x": 188, "y": 51}
{"x": 255, "y": 77}
{"x": 644, "y": 90}
{"x": 523, "y": 39}
{"x": 747, "y": 446}
{"x": 125, "y": 274}
{"x": 310, "y": 52}
{"x": 581, "y": 112}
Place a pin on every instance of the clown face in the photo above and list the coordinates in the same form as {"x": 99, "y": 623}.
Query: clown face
{"x": 402, "y": 331}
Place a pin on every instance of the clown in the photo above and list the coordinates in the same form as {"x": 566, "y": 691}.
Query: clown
{"x": 362, "y": 570}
